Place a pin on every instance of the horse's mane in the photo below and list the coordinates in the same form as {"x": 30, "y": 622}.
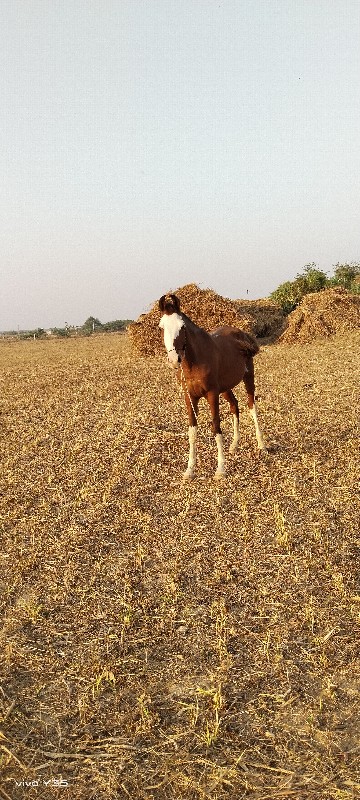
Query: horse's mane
{"x": 192, "y": 326}
{"x": 246, "y": 341}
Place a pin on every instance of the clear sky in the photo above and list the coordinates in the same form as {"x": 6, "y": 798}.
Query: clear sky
{"x": 146, "y": 144}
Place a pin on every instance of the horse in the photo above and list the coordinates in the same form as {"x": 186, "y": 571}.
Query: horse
{"x": 209, "y": 365}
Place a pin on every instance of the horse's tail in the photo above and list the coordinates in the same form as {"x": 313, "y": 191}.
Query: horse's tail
{"x": 247, "y": 343}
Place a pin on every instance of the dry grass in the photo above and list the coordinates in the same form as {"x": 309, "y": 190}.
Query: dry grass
{"x": 163, "y": 640}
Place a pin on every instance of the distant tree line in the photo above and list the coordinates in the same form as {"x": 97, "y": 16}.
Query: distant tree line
{"x": 90, "y": 326}
{"x": 312, "y": 279}
{"x": 93, "y": 325}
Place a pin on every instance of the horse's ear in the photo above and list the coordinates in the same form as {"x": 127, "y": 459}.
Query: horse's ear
{"x": 176, "y": 303}
{"x": 169, "y": 303}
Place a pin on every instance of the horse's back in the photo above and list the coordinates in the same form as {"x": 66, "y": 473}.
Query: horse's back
{"x": 229, "y": 338}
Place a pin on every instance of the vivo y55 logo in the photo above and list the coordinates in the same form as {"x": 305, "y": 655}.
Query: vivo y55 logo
{"x": 58, "y": 783}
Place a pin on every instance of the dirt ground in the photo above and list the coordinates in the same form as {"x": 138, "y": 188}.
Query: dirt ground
{"x": 167, "y": 641}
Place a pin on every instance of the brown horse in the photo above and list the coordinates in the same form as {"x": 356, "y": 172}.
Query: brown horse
{"x": 209, "y": 365}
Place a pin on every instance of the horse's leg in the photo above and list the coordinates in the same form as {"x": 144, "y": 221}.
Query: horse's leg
{"x": 250, "y": 390}
{"x": 213, "y": 400}
{"x": 189, "y": 473}
{"x": 234, "y": 408}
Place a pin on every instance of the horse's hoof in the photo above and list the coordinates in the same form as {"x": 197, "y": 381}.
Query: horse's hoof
{"x": 188, "y": 476}
{"x": 219, "y": 475}
{"x": 262, "y": 452}
{"x": 233, "y": 448}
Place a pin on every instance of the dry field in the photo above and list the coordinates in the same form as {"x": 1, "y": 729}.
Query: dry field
{"x": 163, "y": 641}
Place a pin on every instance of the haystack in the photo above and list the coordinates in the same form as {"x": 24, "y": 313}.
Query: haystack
{"x": 323, "y": 314}
{"x": 269, "y": 318}
{"x": 204, "y": 306}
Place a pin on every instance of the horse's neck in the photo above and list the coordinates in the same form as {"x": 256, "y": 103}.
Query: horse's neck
{"x": 197, "y": 339}
{"x": 192, "y": 328}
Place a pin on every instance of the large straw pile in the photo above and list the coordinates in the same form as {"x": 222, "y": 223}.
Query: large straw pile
{"x": 323, "y": 314}
{"x": 209, "y": 310}
{"x": 268, "y": 317}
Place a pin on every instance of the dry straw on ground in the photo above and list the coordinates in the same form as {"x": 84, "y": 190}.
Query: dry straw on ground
{"x": 323, "y": 314}
{"x": 163, "y": 641}
{"x": 209, "y": 310}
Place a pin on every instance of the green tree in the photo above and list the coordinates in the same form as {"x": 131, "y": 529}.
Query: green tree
{"x": 311, "y": 279}
{"x": 347, "y": 276}
{"x": 290, "y": 293}
{"x": 285, "y": 296}
{"x": 61, "y": 332}
{"x": 116, "y": 325}
{"x": 91, "y": 325}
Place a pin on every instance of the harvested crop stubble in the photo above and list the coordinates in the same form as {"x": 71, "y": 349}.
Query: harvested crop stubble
{"x": 164, "y": 641}
{"x": 323, "y": 314}
{"x": 209, "y": 310}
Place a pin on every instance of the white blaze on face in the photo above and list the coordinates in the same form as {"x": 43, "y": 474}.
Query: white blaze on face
{"x": 171, "y": 324}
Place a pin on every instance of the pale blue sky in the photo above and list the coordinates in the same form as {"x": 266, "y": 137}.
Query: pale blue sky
{"x": 150, "y": 143}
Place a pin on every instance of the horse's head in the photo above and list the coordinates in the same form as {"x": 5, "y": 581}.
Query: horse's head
{"x": 174, "y": 328}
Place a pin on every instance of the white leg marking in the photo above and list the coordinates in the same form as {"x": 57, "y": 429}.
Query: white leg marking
{"x": 235, "y": 440}
{"x": 259, "y": 438}
{"x": 221, "y": 460}
{"x": 192, "y": 453}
